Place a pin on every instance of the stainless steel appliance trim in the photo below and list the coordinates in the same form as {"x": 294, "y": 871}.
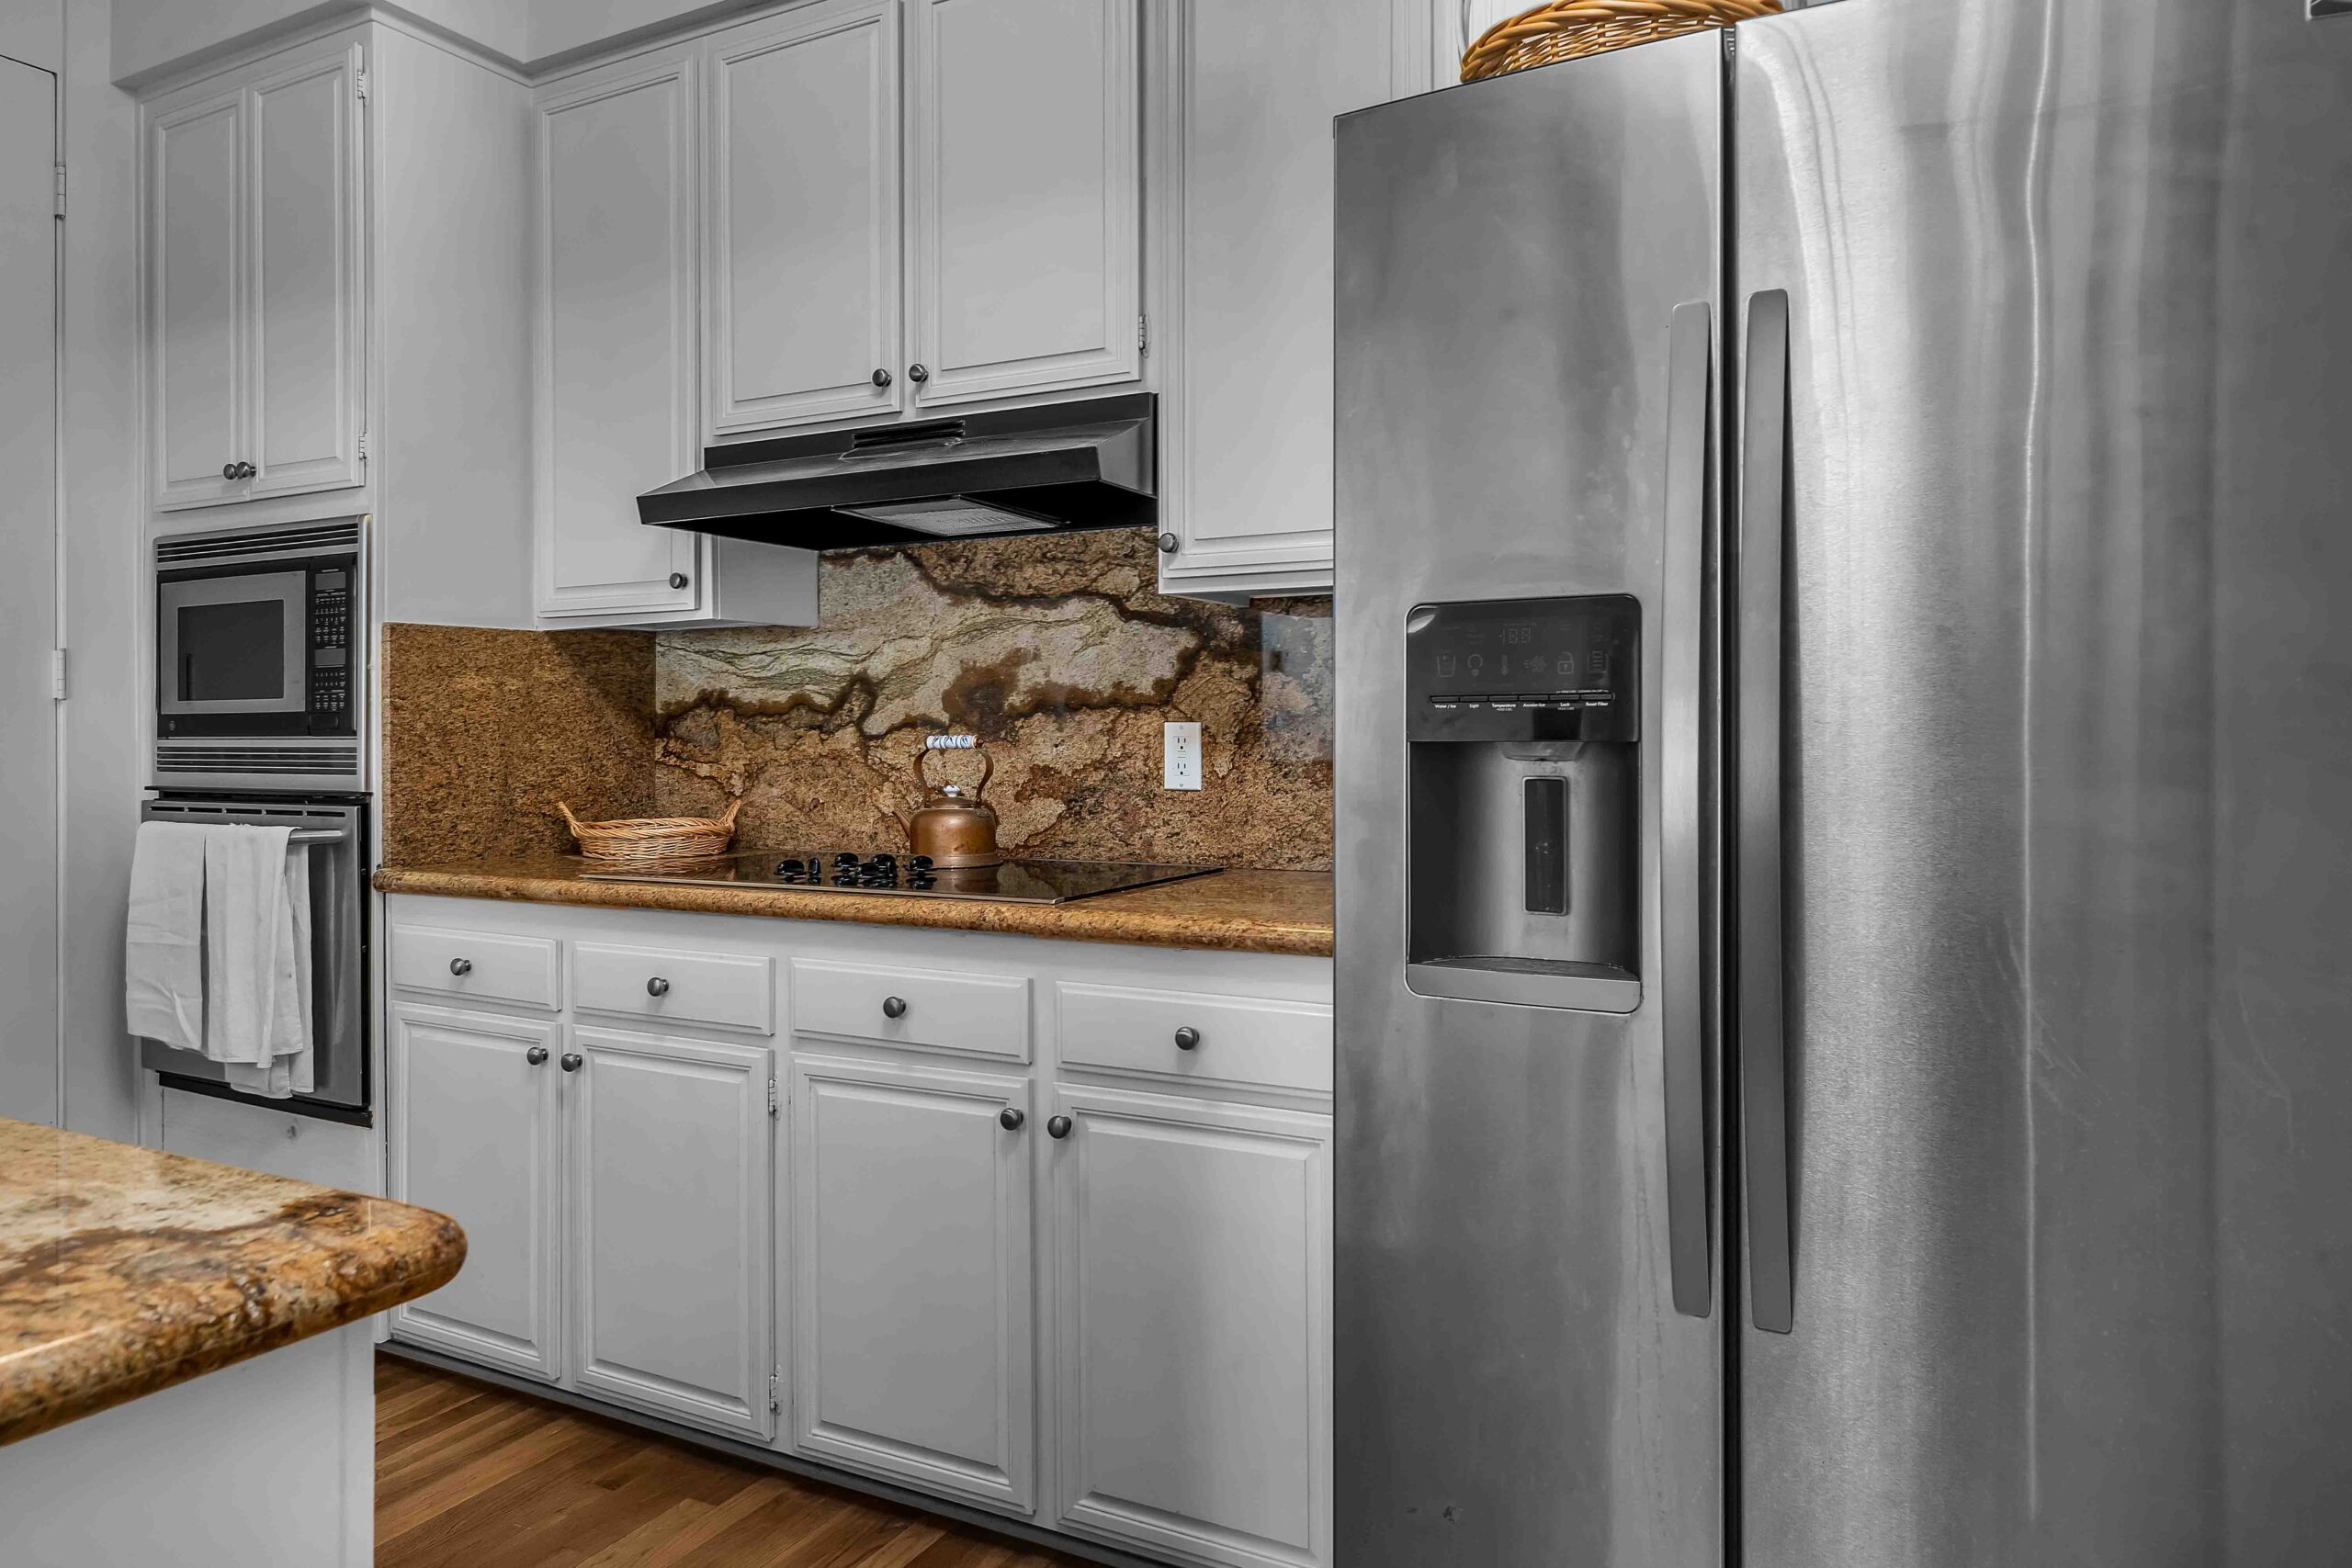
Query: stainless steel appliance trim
{"x": 1482, "y": 980}
{"x": 237, "y": 547}
{"x": 1763, "y": 1066}
{"x": 290, "y": 589}
{"x": 339, "y": 952}
{"x": 1689, "y": 388}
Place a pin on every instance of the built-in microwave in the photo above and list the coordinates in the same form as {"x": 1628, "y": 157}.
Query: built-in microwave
{"x": 260, "y": 659}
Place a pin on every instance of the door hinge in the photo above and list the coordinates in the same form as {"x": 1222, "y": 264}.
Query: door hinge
{"x": 1143, "y": 334}
{"x": 772, "y": 1098}
{"x": 57, "y": 674}
{"x": 359, "y": 83}
{"x": 363, "y": 440}
{"x": 776, "y": 1389}
{"x": 61, "y": 190}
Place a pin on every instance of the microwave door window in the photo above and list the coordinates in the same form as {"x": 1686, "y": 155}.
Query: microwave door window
{"x": 232, "y": 652}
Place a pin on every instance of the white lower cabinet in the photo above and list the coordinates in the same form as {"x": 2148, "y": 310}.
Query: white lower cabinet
{"x": 474, "y": 1133}
{"x": 912, "y": 1278}
{"x": 1192, "y": 1246}
{"x": 673, "y": 1173}
{"x": 964, "y": 1261}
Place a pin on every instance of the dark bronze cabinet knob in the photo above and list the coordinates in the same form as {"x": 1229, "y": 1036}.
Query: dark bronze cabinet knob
{"x": 881, "y": 377}
{"x": 571, "y": 1060}
{"x": 894, "y": 1007}
{"x": 227, "y": 470}
{"x": 1059, "y": 1126}
{"x": 918, "y": 374}
{"x": 657, "y": 987}
{"x": 1009, "y": 1119}
{"x": 536, "y": 1055}
{"x": 1187, "y": 1037}
{"x": 1168, "y": 543}
{"x": 678, "y": 580}
{"x": 461, "y": 967}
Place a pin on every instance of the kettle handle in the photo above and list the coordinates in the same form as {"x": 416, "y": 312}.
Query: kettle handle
{"x": 988, "y": 767}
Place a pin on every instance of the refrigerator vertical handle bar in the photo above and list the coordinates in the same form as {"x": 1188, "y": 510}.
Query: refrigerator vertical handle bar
{"x": 1689, "y": 386}
{"x": 1763, "y": 1054}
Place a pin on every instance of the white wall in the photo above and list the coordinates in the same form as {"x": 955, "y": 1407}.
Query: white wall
{"x": 101, "y": 423}
{"x": 34, "y": 32}
{"x": 560, "y": 27}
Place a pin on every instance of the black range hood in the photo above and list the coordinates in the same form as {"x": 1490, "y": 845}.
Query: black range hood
{"x": 1089, "y": 464}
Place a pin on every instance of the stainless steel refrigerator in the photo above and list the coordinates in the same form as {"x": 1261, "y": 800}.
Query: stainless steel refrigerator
{"x": 1845, "y": 816}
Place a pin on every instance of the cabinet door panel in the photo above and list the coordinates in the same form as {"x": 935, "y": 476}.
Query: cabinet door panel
{"x": 912, "y": 1284}
{"x": 1246, "y": 420}
{"x": 1192, "y": 1262}
{"x": 618, "y": 336}
{"x": 804, "y": 224}
{"x": 196, "y": 309}
{"x": 672, "y": 1182}
{"x": 1027, "y": 204}
{"x": 306, "y": 398}
{"x": 473, "y": 1134}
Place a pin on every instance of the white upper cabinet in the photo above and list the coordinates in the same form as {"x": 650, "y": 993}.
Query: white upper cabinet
{"x": 1246, "y": 410}
{"x": 616, "y": 335}
{"x": 804, "y": 217}
{"x": 1025, "y": 152}
{"x": 254, "y": 246}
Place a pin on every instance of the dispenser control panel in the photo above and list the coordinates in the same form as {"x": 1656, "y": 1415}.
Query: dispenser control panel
{"x": 1524, "y": 670}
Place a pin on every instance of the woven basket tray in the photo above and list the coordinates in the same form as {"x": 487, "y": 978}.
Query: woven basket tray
{"x": 1566, "y": 30}
{"x": 651, "y": 840}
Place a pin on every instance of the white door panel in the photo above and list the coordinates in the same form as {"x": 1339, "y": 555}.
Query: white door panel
{"x": 1026, "y": 228}
{"x": 912, "y": 1283}
{"x": 804, "y": 223}
{"x": 671, "y": 1184}
{"x": 195, "y": 308}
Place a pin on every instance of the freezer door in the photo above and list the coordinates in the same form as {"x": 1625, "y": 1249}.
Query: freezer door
{"x": 1528, "y": 1338}
{"x": 2049, "y": 816}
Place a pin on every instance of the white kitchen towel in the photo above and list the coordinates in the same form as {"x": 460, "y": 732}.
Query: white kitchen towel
{"x": 163, "y": 968}
{"x": 252, "y": 978}
{"x": 288, "y": 1069}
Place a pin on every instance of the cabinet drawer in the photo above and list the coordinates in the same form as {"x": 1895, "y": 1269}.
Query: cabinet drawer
{"x": 1240, "y": 1039}
{"x": 477, "y": 966}
{"x": 723, "y": 990}
{"x": 974, "y": 1015}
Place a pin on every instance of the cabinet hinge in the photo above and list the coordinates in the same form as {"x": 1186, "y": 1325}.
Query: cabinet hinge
{"x": 61, "y": 190}
{"x": 775, "y": 1390}
{"x": 363, "y": 442}
{"x": 772, "y": 1097}
{"x": 1143, "y": 334}
{"x": 57, "y": 673}
{"x": 359, "y": 83}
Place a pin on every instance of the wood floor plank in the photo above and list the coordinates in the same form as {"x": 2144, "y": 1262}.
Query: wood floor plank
{"x": 473, "y": 1475}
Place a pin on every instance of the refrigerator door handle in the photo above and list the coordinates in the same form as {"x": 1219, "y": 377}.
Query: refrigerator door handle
{"x": 1689, "y": 386}
{"x": 1763, "y": 1055}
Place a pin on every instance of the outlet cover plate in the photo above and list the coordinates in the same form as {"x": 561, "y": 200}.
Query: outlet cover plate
{"x": 1180, "y": 756}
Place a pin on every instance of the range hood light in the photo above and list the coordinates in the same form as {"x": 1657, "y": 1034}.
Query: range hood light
{"x": 953, "y": 517}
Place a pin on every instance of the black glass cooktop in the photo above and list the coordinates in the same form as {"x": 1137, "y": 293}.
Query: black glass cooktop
{"x": 843, "y": 871}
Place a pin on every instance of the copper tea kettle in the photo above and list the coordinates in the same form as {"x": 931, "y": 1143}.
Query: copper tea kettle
{"x": 955, "y": 827}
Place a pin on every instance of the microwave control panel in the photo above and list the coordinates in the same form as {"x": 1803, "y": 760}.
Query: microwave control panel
{"x": 331, "y": 661}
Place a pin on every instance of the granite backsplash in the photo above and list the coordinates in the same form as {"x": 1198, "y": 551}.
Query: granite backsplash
{"x": 1056, "y": 652}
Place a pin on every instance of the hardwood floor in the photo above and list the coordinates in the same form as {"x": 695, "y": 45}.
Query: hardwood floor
{"x": 473, "y": 1476}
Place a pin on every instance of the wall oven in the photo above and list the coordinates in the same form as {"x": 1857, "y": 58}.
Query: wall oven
{"x": 260, "y": 659}
{"x": 335, "y": 832}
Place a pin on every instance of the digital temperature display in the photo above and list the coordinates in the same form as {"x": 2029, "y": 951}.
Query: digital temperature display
{"x": 1575, "y": 660}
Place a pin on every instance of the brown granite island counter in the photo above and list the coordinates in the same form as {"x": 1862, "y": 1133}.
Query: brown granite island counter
{"x": 127, "y": 1274}
{"x": 1234, "y": 911}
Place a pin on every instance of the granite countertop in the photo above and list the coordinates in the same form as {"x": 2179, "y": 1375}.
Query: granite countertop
{"x": 124, "y": 1271}
{"x": 1237, "y": 911}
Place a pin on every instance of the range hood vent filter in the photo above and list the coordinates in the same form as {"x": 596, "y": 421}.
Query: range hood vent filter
{"x": 953, "y": 517}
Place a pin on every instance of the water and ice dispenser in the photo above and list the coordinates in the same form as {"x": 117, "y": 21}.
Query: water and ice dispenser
{"x": 1524, "y": 812}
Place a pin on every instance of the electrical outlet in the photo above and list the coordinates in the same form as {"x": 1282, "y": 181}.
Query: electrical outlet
{"x": 1180, "y": 757}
